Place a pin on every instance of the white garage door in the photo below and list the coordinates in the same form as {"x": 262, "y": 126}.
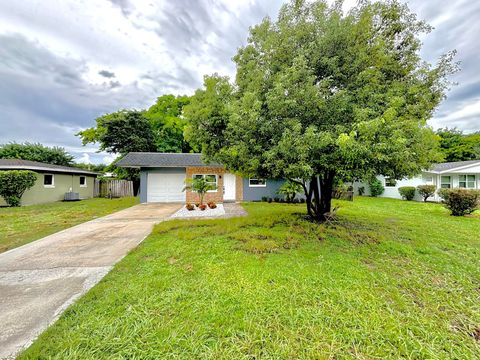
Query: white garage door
{"x": 166, "y": 187}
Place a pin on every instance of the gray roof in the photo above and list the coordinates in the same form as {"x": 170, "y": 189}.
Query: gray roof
{"x": 452, "y": 165}
{"x": 17, "y": 164}
{"x": 156, "y": 159}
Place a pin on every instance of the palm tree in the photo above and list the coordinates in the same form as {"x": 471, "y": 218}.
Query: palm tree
{"x": 200, "y": 186}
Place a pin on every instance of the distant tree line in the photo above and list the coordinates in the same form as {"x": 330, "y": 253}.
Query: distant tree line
{"x": 457, "y": 146}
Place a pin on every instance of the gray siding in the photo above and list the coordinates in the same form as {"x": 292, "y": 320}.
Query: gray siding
{"x": 143, "y": 185}
{"x": 256, "y": 193}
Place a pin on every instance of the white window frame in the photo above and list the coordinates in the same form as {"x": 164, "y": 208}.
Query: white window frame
{"x": 204, "y": 175}
{"x": 445, "y": 183}
{"x": 429, "y": 179}
{"x": 257, "y": 185}
{"x": 467, "y": 182}
{"x": 390, "y": 178}
{"x": 53, "y": 181}
{"x": 85, "y": 184}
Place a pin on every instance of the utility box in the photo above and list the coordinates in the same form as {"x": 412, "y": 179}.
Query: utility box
{"x": 72, "y": 196}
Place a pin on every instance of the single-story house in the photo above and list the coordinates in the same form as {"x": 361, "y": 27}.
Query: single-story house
{"x": 163, "y": 175}
{"x": 53, "y": 181}
{"x": 459, "y": 174}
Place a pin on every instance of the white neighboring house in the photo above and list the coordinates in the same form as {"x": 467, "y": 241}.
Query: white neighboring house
{"x": 459, "y": 174}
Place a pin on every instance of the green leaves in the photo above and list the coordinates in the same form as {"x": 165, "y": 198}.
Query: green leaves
{"x": 36, "y": 152}
{"x": 14, "y": 183}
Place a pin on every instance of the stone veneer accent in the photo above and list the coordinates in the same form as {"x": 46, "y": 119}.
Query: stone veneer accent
{"x": 238, "y": 188}
{"x": 216, "y": 196}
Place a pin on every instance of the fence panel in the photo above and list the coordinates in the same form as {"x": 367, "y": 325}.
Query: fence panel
{"x": 113, "y": 188}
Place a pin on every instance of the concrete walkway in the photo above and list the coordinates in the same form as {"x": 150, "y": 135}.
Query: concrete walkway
{"x": 38, "y": 281}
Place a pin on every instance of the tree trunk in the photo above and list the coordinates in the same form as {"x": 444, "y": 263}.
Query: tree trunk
{"x": 319, "y": 198}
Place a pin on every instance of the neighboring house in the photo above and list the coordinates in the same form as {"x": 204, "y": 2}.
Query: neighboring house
{"x": 460, "y": 174}
{"x": 163, "y": 175}
{"x": 53, "y": 181}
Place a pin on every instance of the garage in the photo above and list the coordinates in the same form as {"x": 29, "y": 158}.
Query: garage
{"x": 166, "y": 186}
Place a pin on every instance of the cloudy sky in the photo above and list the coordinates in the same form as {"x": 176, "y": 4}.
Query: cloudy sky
{"x": 63, "y": 63}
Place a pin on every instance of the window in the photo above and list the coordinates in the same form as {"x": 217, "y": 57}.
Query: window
{"x": 466, "y": 181}
{"x": 83, "y": 181}
{"x": 390, "y": 182}
{"x": 429, "y": 180}
{"x": 253, "y": 182}
{"x": 211, "y": 179}
{"x": 446, "y": 182}
{"x": 48, "y": 180}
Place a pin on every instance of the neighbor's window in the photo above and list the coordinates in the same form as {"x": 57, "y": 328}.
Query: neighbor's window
{"x": 211, "y": 179}
{"x": 390, "y": 181}
{"x": 429, "y": 180}
{"x": 446, "y": 182}
{"x": 466, "y": 181}
{"x": 253, "y": 182}
{"x": 48, "y": 180}
{"x": 83, "y": 181}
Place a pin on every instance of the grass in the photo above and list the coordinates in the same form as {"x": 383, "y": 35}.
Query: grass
{"x": 22, "y": 225}
{"x": 390, "y": 279}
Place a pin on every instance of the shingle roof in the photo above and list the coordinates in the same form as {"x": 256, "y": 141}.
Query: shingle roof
{"x": 452, "y": 165}
{"x": 150, "y": 159}
{"x": 17, "y": 164}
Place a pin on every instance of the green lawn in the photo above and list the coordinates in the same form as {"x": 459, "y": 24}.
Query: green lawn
{"x": 391, "y": 279}
{"x": 24, "y": 224}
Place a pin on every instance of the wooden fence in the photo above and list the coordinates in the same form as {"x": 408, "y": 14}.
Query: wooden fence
{"x": 113, "y": 188}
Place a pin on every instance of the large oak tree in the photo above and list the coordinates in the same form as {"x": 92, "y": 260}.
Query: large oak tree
{"x": 322, "y": 95}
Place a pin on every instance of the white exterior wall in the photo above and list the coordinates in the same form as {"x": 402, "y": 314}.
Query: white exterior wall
{"x": 392, "y": 192}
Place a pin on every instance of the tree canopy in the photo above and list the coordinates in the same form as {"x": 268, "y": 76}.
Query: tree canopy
{"x": 168, "y": 124}
{"x": 36, "y": 152}
{"x": 456, "y": 146}
{"x": 321, "y": 95}
{"x": 121, "y": 132}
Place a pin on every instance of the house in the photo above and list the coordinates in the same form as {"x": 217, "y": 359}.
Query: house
{"x": 53, "y": 181}
{"x": 460, "y": 174}
{"x": 163, "y": 175}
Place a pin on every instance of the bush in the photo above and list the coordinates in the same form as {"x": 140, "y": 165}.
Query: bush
{"x": 212, "y": 205}
{"x": 426, "y": 191}
{"x": 289, "y": 190}
{"x": 407, "y": 192}
{"x": 376, "y": 188}
{"x": 276, "y": 199}
{"x": 361, "y": 190}
{"x": 190, "y": 207}
{"x": 460, "y": 201}
{"x": 264, "y": 199}
{"x": 269, "y": 200}
{"x": 14, "y": 183}
{"x": 202, "y": 207}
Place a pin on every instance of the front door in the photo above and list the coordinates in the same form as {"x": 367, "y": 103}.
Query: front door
{"x": 228, "y": 187}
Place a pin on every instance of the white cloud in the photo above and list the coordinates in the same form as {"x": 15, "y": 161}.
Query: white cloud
{"x": 56, "y": 57}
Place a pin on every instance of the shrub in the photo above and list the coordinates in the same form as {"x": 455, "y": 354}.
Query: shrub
{"x": 460, "y": 201}
{"x": 269, "y": 200}
{"x": 202, "y": 207}
{"x": 14, "y": 183}
{"x": 212, "y": 205}
{"x": 361, "y": 190}
{"x": 276, "y": 199}
{"x": 264, "y": 198}
{"x": 289, "y": 189}
{"x": 407, "y": 192}
{"x": 376, "y": 188}
{"x": 190, "y": 207}
{"x": 426, "y": 191}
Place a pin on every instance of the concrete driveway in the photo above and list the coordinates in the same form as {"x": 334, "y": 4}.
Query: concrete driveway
{"x": 38, "y": 281}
